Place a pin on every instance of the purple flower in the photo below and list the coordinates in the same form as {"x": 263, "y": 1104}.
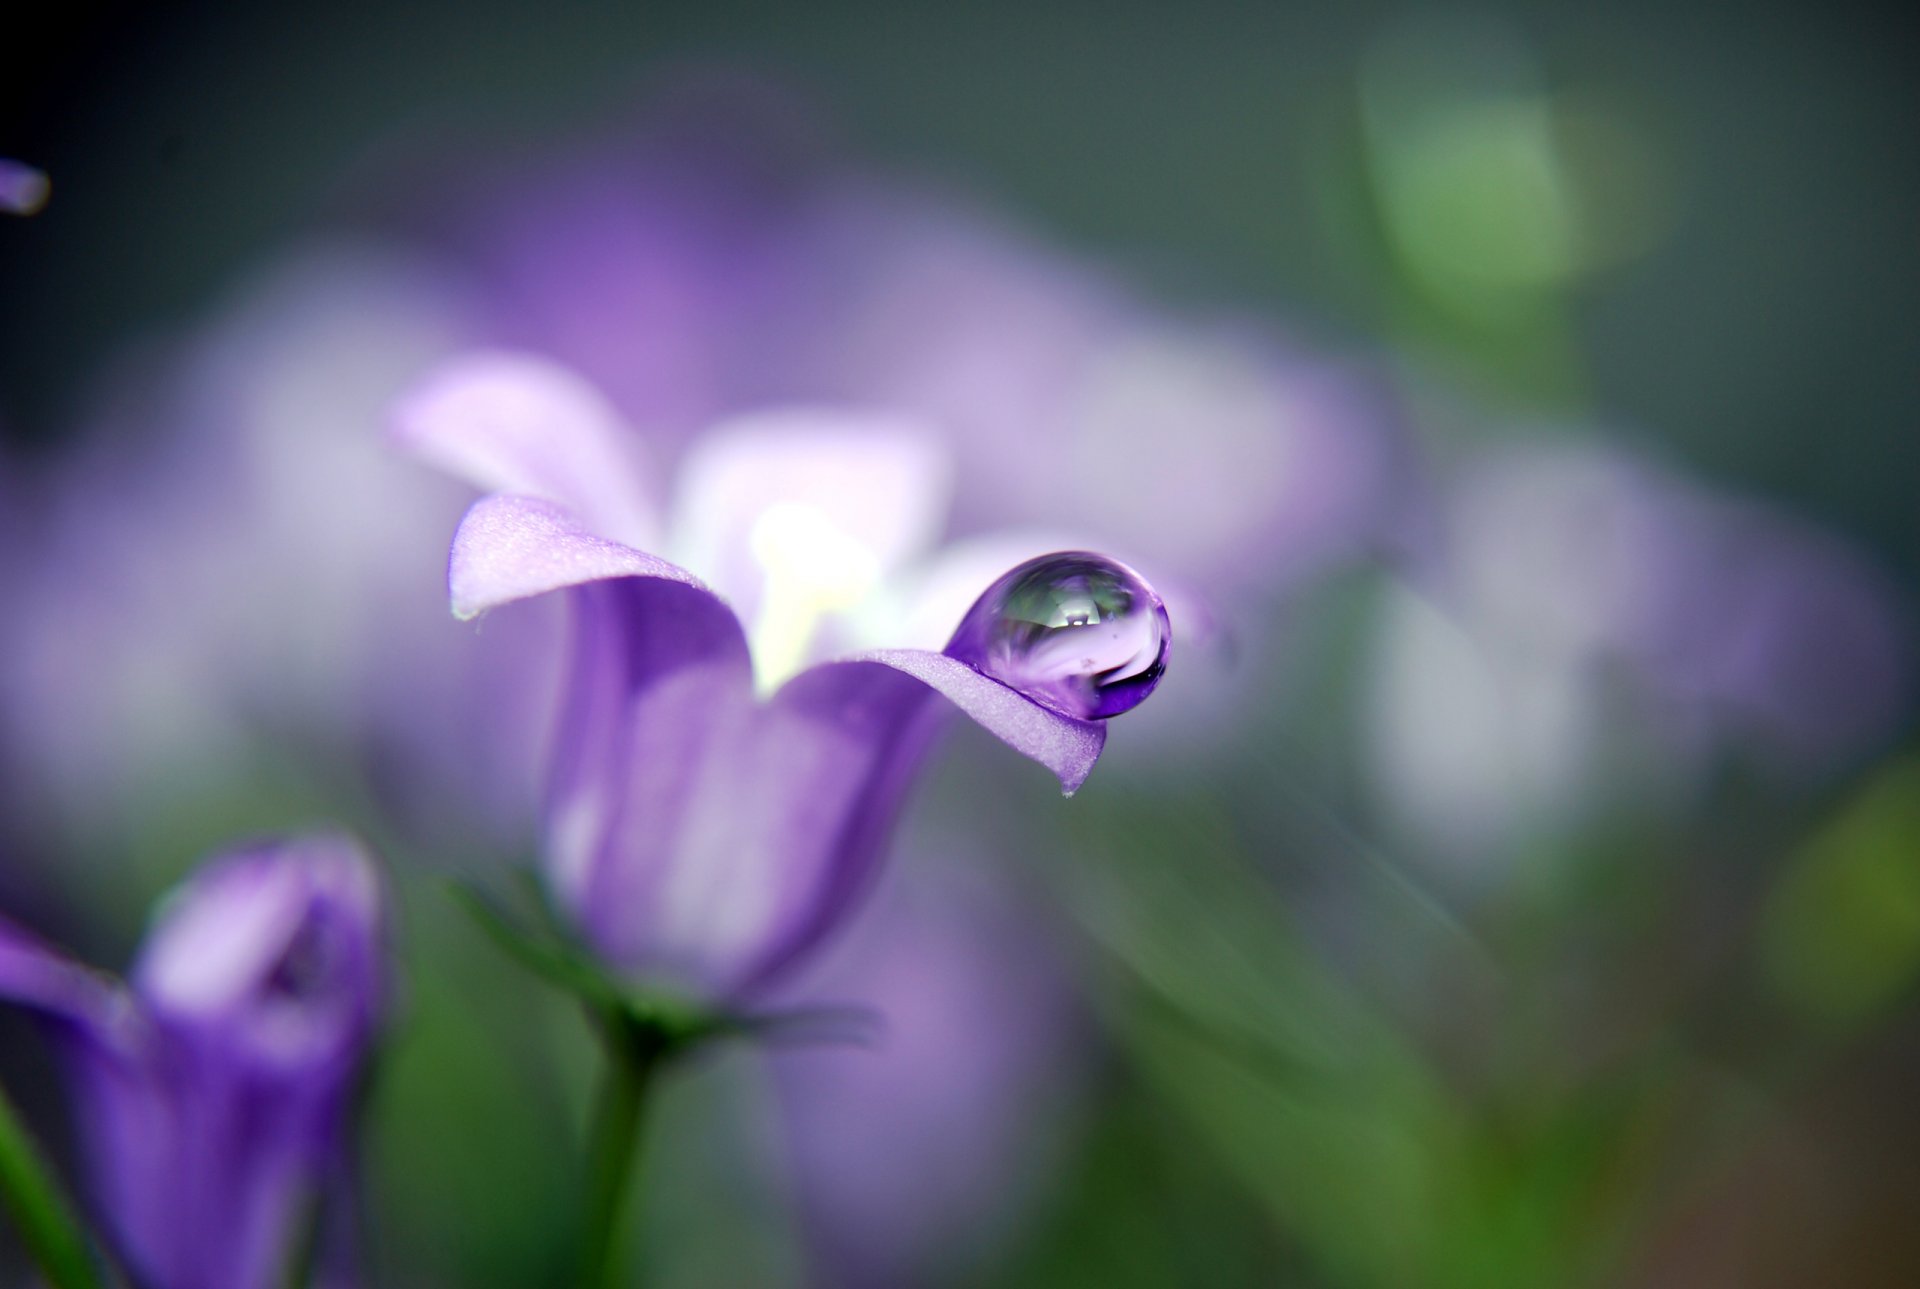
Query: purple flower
{"x": 1599, "y": 631}
{"x": 718, "y": 794}
{"x": 212, "y": 1088}
{"x": 23, "y": 189}
{"x": 715, "y": 263}
{"x": 1055, "y": 384}
{"x": 214, "y": 586}
{"x": 720, "y": 260}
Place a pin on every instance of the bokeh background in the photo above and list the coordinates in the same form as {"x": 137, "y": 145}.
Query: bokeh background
{"x": 1530, "y": 894}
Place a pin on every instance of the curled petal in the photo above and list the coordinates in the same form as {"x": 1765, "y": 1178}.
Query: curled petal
{"x": 271, "y": 954}
{"x": 511, "y": 548}
{"x": 658, "y": 663}
{"x": 507, "y": 422}
{"x": 35, "y": 975}
{"x": 1064, "y": 744}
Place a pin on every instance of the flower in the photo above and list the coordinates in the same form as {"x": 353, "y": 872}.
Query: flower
{"x": 213, "y": 589}
{"x": 720, "y": 259}
{"x": 23, "y": 189}
{"x": 718, "y": 795}
{"x": 715, "y": 263}
{"x": 1598, "y": 631}
{"x": 212, "y": 1088}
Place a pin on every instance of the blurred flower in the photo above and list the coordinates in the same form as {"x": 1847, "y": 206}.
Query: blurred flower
{"x": 23, "y": 189}
{"x": 212, "y": 1088}
{"x": 720, "y": 260}
{"x": 715, "y": 264}
{"x": 714, "y": 807}
{"x": 231, "y": 576}
{"x": 1597, "y": 631}
{"x": 976, "y": 1065}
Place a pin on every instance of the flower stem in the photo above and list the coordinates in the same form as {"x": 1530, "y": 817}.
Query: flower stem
{"x": 635, "y": 1049}
{"x": 47, "y": 1225}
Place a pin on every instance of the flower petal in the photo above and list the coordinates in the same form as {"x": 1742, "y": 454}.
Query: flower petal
{"x": 261, "y": 980}
{"x": 798, "y": 814}
{"x": 1064, "y": 744}
{"x": 272, "y": 954}
{"x": 119, "y": 1080}
{"x": 790, "y": 811}
{"x": 510, "y": 548}
{"x": 659, "y": 671}
{"x": 507, "y": 422}
{"x": 808, "y": 488}
{"x": 658, "y": 662}
{"x": 36, "y": 975}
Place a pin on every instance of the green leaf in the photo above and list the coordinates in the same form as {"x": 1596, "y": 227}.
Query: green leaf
{"x": 541, "y": 943}
{"x": 52, "y": 1234}
{"x": 1841, "y": 937}
{"x": 540, "y": 950}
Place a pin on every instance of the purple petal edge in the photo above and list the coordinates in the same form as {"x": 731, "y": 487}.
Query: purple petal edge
{"x": 33, "y": 974}
{"x": 1064, "y": 744}
{"x": 511, "y": 548}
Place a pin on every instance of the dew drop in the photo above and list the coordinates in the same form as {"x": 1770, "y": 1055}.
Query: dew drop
{"x": 1074, "y": 631}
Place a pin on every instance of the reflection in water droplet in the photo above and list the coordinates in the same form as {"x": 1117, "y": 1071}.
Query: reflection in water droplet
{"x": 1074, "y": 631}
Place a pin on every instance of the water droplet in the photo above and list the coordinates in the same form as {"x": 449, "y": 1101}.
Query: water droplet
{"x": 1074, "y": 631}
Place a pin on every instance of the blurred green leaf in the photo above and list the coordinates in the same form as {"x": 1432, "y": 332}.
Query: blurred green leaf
{"x": 1300, "y": 1085}
{"x": 1841, "y": 935}
{"x": 472, "y": 1126}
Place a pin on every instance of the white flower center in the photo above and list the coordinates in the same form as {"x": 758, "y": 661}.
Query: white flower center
{"x": 811, "y": 568}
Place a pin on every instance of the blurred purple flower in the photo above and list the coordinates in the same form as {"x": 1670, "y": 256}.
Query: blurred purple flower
{"x": 1598, "y": 630}
{"x": 1057, "y": 388}
{"x": 718, "y": 262}
{"x": 23, "y": 189}
{"x": 912, "y": 1157}
{"x": 212, "y": 1088}
{"x": 721, "y": 260}
{"x": 714, "y": 808}
{"x": 232, "y": 575}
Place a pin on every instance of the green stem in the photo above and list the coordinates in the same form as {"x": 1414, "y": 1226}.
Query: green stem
{"x": 53, "y": 1237}
{"x": 635, "y": 1050}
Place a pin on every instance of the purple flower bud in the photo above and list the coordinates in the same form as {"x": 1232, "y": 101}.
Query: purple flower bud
{"x": 212, "y": 1089}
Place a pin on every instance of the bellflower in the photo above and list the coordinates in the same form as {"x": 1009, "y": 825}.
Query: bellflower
{"x": 696, "y": 272}
{"x": 718, "y": 794}
{"x": 212, "y": 1087}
